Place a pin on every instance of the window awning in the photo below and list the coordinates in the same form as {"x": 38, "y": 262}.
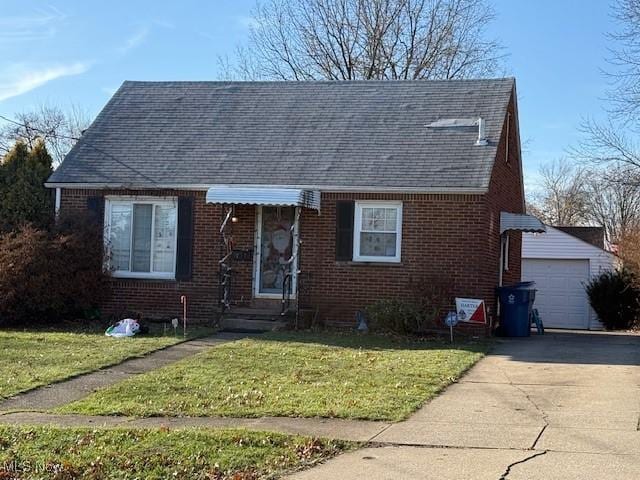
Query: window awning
{"x": 270, "y": 196}
{"x": 520, "y": 222}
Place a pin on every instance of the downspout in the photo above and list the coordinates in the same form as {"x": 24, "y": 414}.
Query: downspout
{"x": 500, "y": 271}
{"x": 57, "y": 202}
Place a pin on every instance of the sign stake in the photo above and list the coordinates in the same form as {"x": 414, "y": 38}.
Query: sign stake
{"x": 451, "y": 320}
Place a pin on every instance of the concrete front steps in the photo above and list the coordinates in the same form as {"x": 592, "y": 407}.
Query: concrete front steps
{"x": 250, "y": 320}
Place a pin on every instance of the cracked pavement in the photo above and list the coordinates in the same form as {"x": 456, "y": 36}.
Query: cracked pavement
{"x": 560, "y": 406}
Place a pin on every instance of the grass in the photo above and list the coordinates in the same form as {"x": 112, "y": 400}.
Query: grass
{"x": 295, "y": 375}
{"x": 66, "y": 453}
{"x": 39, "y": 357}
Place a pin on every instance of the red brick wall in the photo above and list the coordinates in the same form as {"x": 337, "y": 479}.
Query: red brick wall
{"x": 161, "y": 298}
{"x": 443, "y": 237}
{"x": 450, "y": 237}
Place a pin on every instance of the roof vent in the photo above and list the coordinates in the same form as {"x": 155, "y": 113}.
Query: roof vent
{"x": 480, "y": 123}
{"x": 453, "y": 123}
{"x": 482, "y": 136}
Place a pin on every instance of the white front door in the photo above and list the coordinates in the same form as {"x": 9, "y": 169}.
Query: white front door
{"x": 560, "y": 298}
{"x": 276, "y": 231}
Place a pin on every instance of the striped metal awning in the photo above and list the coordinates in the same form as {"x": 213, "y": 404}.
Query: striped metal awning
{"x": 269, "y": 196}
{"x": 520, "y": 222}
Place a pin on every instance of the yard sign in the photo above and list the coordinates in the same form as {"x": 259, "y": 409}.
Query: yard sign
{"x": 471, "y": 310}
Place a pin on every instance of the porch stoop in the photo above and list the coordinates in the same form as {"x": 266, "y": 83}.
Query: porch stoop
{"x": 245, "y": 320}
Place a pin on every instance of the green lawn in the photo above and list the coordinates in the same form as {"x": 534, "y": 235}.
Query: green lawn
{"x": 288, "y": 374}
{"x": 35, "y": 453}
{"x": 34, "y": 358}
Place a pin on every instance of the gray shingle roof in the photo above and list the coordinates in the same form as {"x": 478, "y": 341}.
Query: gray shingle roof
{"x": 323, "y": 134}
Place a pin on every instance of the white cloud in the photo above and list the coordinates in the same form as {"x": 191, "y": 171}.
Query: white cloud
{"x": 39, "y": 25}
{"x": 135, "y": 39}
{"x": 164, "y": 24}
{"x": 206, "y": 35}
{"x": 21, "y": 78}
{"x": 247, "y": 22}
{"x": 110, "y": 91}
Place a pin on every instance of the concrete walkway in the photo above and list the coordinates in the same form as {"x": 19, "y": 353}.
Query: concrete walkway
{"x": 67, "y": 391}
{"x": 351, "y": 430}
{"x": 562, "y": 406}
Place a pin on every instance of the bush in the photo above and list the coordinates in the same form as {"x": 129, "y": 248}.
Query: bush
{"x": 48, "y": 275}
{"x": 428, "y": 297}
{"x": 396, "y": 316}
{"x": 615, "y": 297}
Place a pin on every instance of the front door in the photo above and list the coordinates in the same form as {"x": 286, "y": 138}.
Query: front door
{"x": 275, "y": 248}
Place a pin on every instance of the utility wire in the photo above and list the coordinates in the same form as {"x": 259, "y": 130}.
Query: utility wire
{"x": 77, "y": 139}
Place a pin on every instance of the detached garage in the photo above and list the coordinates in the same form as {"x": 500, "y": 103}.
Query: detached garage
{"x": 561, "y": 261}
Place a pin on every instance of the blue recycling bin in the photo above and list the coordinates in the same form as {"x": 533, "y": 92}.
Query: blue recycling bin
{"x": 516, "y": 303}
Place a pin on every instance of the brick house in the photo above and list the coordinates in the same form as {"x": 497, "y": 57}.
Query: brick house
{"x": 338, "y": 193}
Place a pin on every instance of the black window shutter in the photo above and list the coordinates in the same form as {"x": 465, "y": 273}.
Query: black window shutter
{"x": 95, "y": 205}
{"x": 344, "y": 230}
{"x": 185, "y": 238}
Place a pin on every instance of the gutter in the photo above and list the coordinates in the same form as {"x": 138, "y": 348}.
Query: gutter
{"x": 326, "y": 189}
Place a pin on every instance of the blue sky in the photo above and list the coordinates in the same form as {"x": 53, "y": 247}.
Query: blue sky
{"x": 79, "y": 52}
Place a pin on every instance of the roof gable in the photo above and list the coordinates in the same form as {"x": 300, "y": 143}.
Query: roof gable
{"x": 323, "y": 134}
{"x": 556, "y": 243}
{"x": 591, "y": 235}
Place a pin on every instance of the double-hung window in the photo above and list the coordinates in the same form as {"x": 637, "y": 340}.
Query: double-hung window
{"x": 141, "y": 236}
{"x": 377, "y": 235}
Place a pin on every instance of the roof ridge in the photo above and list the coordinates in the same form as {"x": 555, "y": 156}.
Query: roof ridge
{"x": 317, "y": 82}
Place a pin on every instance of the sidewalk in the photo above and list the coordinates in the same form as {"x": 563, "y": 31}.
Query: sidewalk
{"x": 351, "y": 430}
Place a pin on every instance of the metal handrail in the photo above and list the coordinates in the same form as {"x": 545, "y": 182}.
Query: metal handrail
{"x": 225, "y": 277}
{"x": 287, "y": 281}
{"x": 225, "y": 273}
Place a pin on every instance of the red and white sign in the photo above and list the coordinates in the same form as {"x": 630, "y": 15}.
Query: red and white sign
{"x": 471, "y": 310}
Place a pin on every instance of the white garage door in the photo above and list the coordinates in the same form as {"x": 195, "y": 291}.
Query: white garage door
{"x": 560, "y": 299}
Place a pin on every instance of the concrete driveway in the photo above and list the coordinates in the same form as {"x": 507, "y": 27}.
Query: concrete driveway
{"x": 560, "y": 406}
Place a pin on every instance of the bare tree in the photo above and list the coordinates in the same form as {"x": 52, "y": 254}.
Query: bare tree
{"x": 59, "y": 129}
{"x": 609, "y": 149}
{"x": 561, "y": 199}
{"x": 571, "y": 194}
{"x": 608, "y": 144}
{"x": 368, "y": 39}
{"x": 612, "y": 142}
{"x": 613, "y": 202}
{"x": 625, "y": 58}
